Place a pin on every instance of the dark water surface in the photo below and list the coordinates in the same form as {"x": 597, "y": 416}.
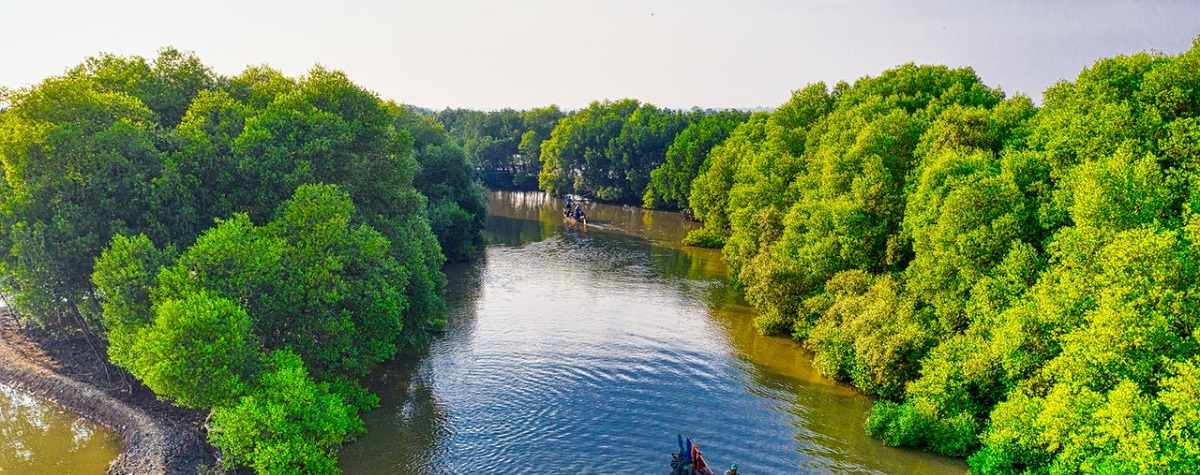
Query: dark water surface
{"x": 574, "y": 350}
{"x": 40, "y": 438}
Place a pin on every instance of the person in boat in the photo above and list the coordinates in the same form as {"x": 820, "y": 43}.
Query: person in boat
{"x": 578, "y": 212}
{"x": 732, "y": 470}
{"x": 680, "y": 465}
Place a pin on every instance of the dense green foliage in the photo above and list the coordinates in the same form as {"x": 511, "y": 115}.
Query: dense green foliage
{"x": 622, "y": 152}
{"x": 1017, "y": 285}
{"x": 324, "y": 260}
{"x": 608, "y": 150}
{"x": 457, "y": 204}
{"x": 686, "y": 158}
{"x": 287, "y": 424}
{"x": 304, "y": 305}
{"x": 505, "y": 145}
{"x": 108, "y": 149}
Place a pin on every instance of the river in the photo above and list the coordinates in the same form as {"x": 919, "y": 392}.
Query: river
{"x": 37, "y": 437}
{"x": 585, "y": 350}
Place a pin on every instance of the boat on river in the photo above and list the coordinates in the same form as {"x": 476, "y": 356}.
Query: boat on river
{"x": 575, "y": 217}
{"x": 689, "y": 461}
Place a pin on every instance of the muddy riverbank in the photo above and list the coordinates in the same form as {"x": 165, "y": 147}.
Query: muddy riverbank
{"x": 72, "y": 373}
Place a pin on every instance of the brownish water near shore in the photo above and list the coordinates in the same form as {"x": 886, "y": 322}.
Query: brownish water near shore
{"x": 40, "y": 438}
{"x": 580, "y": 350}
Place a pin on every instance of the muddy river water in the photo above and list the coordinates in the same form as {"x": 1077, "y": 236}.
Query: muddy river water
{"x": 37, "y": 437}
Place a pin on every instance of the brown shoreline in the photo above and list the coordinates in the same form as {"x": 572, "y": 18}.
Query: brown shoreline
{"x": 159, "y": 438}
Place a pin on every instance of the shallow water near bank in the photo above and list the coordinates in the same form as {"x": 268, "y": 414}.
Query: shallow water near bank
{"x": 37, "y": 437}
{"x": 585, "y": 349}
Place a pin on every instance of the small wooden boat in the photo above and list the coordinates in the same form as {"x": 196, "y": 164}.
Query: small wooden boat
{"x": 578, "y": 217}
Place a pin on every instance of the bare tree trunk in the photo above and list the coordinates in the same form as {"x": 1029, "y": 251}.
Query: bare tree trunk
{"x": 14, "y": 311}
{"x": 124, "y": 375}
{"x": 88, "y": 335}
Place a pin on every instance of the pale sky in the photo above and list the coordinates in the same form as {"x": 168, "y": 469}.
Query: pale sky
{"x": 531, "y": 53}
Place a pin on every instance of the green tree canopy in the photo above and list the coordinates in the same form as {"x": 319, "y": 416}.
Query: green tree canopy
{"x": 323, "y": 247}
{"x": 456, "y": 201}
{"x": 687, "y": 157}
{"x": 162, "y": 147}
{"x": 1017, "y": 284}
{"x": 310, "y": 286}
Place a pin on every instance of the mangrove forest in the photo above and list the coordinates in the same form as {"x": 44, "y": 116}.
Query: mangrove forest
{"x": 1016, "y": 284}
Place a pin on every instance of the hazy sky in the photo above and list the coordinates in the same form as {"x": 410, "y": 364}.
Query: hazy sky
{"x": 528, "y": 53}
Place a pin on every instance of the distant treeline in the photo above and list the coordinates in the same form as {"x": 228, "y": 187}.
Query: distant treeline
{"x": 249, "y": 245}
{"x": 621, "y": 152}
{"x": 1018, "y": 285}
